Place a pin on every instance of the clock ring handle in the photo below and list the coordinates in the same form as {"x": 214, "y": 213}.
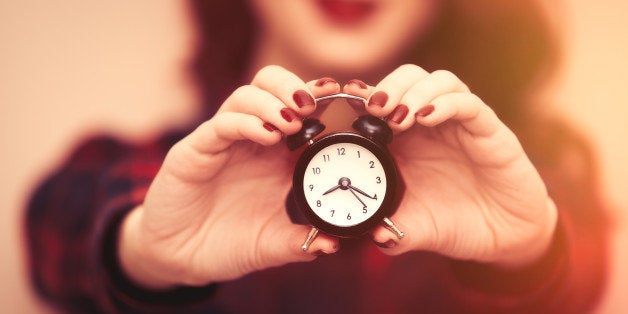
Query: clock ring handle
{"x": 367, "y": 125}
{"x": 372, "y": 127}
{"x": 340, "y": 95}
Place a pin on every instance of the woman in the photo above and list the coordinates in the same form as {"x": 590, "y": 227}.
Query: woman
{"x": 120, "y": 228}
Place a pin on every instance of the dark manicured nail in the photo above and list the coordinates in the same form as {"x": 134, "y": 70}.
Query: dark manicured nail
{"x": 389, "y": 244}
{"x": 324, "y": 81}
{"x": 378, "y": 99}
{"x": 269, "y": 127}
{"x": 319, "y": 253}
{"x": 425, "y": 111}
{"x": 302, "y": 99}
{"x": 398, "y": 114}
{"x": 359, "y": 83}
{"x": 288, "y": 114}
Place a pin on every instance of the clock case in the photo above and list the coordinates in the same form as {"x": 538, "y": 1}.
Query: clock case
{"x": 371, "y": 133}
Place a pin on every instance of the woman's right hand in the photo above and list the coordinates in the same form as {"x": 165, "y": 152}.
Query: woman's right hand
{"x": 216, "y": 209}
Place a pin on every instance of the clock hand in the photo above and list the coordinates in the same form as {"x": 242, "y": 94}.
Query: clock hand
{"x": 356, "y": 196}
{"x": 332, "y": 189}
{"x": 344, "y": 183}
{"x": 353, "y": 188}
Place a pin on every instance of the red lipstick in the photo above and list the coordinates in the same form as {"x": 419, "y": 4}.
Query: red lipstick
{"x": 346, "y": 11}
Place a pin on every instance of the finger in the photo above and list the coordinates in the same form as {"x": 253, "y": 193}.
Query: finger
{"x": 419, "y": 237}
{"x": 358, "y": 88}
{"x": 283, "y": 243}
{"x": 422, "y": 93}
{"x": 467, "y": 108}
{"x": 323, "y": 87}
{"x": 218, "y": 133}
{"x": 286, "y": 86}
{"x": 487, "y": 140}
{"x": 254, "y": 101}
{"x": 388, "y": 93}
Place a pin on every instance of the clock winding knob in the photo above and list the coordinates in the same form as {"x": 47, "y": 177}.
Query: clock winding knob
{"x": 310, "y": 129}
{"x": 373, "y": 128}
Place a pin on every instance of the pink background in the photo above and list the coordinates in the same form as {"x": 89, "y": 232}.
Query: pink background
{"x": 69, "y": 68}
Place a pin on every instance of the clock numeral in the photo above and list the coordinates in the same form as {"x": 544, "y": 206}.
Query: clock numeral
{"x": 332, "y": 212}
{"x": 311, "y": 186}
{"x": 349, "y": 216}
{"x": 318, "y": 203}
{"x": 359, "y": 154}
{"x": 341, "y": 151}
{"x": 364, "y": 210}
{"x": 372, "y": 164}
{"x": 316, "y": 170}
{"x": 378, "y": 180}
{"x": 326, "y": 157}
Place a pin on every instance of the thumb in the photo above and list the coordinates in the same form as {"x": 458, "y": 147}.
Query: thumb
{"x": 283, "y": 244}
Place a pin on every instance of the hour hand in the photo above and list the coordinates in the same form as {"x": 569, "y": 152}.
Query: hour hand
{"x": 332, "y": 189}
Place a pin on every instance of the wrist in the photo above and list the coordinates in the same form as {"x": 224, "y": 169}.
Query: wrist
{"x": 537, "y": 244}
{"x": 135, "y": 258}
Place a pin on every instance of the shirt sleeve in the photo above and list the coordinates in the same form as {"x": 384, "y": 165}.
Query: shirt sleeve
{"x": 72, "y": 224}
{"x": 569, "y": 279}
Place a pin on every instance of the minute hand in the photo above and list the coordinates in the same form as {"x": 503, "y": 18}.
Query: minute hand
{"x": 361, "y": 192}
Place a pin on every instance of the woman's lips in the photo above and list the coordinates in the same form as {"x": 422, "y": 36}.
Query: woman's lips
{"x": 346, "y": 11}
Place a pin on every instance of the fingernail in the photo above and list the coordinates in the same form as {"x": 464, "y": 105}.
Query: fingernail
{"x": 398, "y": 114}
{"x": 269, "y": 127}
{"x": 288, "y": 114}
{"x": 324, "y": 81}
{"x": 425, "y": 111}
{"x": 319, "y": 253}
{"x": 378, "y": 99}
{"x": 359, "y": 83}
{"x": 302, "y": 99}
{"x": 387, "y": 245}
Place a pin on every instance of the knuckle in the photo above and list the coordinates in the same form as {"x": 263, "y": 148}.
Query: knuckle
{"x": 445, "y": 74}
{"x": 243, "y": 90}
{"x": 409, "y": 67}
{"x": 267, "y": 72}
{"x": 270, "y": 69}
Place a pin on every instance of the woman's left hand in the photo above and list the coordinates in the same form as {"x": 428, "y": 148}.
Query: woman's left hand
{"x": 471, "y": 192}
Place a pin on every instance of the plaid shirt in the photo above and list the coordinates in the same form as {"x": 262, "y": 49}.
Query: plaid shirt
{"x": 72, "y": 224}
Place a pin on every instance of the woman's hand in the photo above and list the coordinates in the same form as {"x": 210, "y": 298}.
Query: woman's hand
{"x": 471, "y": 192}
{"x": 216, "y": 209}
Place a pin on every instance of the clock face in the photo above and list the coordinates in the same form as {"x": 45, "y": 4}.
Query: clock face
{"x": 346, "y": 182}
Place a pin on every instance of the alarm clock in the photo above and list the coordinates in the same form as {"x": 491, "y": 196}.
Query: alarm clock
{"x": 344, "y": 183}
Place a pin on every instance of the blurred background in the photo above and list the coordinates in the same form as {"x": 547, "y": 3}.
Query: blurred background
{"x": 72, "y": 68}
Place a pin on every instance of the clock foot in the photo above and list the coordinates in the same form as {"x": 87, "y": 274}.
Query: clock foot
{"x": 391, "y": 226}
{"x": 309, "y": 239}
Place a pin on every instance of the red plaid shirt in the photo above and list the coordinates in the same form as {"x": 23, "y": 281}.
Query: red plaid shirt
{"x": 72, "y": 224}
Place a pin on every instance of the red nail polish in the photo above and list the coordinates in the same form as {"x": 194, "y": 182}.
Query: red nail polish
{"x": 389, "y": 244}
{"x": 288, "y": 114}
{"x": 269, "y": 127}
{"x": 378, "y": 99}
{"x": 302, "y": 99}
{"x": 425, "y": 111}
{"x": 398, "y": 114}
{"x": 324, "y": 81}
{"x": 319, "y": 253}
{"x": 359, "y": 83}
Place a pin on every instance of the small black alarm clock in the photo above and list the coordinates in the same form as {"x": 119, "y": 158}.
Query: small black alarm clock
{"x": 345, "y": 182}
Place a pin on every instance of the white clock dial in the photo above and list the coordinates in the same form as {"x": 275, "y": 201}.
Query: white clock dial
{"x": 344, "y": 184}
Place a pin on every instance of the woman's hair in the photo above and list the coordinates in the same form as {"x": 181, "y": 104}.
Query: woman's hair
{"x": 226, "y": 30}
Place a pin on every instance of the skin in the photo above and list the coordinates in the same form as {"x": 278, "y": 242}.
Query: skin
{"x": 471, "y": 192}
